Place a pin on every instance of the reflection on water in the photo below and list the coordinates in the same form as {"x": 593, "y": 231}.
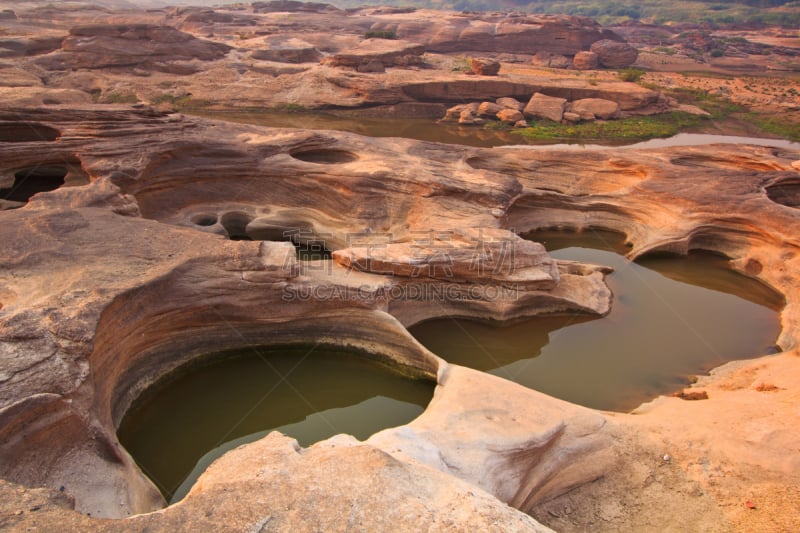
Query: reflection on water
{"x": 659, "y": 332}
{"x": 176, "y": 429}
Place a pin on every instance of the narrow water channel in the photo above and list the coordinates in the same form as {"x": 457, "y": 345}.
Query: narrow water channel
{"x": 672, "y": 317}
{"x": 178, "y": 427}
{"x": 428, "y": 129}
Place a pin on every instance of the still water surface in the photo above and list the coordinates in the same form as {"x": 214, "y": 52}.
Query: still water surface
{"x": 425, "y": 129}
{"x": 177, "y": 428}
{"x": 671, "y": 318}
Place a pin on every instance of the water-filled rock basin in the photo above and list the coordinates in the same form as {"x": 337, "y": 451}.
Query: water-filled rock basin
{"x": 672, "y": 317}
{"x": 177, "y": 427}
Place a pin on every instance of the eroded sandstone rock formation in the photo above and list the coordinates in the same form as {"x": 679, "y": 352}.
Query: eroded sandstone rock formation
{"x": 108, "y": 285}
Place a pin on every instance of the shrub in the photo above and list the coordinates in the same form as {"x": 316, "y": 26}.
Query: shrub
{"x": 631, "y": 74}
{"x": 380, "y": 34}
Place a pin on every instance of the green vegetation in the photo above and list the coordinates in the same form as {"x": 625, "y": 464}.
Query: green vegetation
{"x": 293, "y": 108}
{"x": 774, "y": 125}
{"x": 461, "y": 64}
{"x": 633, "y": 128}
{"x": 665, "y": 50}
{"x": 184, "y": 101}
{"x": 380, "y": 34}
{"x": 631, "y": 74}
{"x": 718, "y": 107}
{"x": 776, "y": 12}
{"x": 665, "y": 125}
{"x": 116, "y": 98}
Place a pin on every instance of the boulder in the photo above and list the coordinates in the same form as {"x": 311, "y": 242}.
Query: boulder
{"x": 469, "y": 117}
{"x": 8, "y": 14}
{"x": 454, "y": 112}
{"x": 614, "y": 54}
{"x": 572, "y": 118}
{"x": 546, "y": 107}
{"x": 586, "y": 60}
{"x": 592, "y": 108}
{"x": 511, "y": 116}
{"x": 551, "y": 60}
{"x": 521, "y": 124}
{"x": 484, "y": 67}
{"x": 559, "y": 61}
{"x": 489, "y": 109}
{"x": 510, "y": 103}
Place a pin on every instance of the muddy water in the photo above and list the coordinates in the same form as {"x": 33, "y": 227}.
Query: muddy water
{"x": 671, "y": 318}
{"x": 177, "y": 428}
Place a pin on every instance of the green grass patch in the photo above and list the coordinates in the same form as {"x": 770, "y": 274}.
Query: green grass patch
{"x": 180, "y": 102}
{"x": 774, "y": 125}
{"x": 633, "y": 128}
{"x": 718, "y": 106}
{"x": 118, "y": 98}
{"x": 380, "y": 34}
{"x": 496, "y": 125}
{"x": 631, "y": 74}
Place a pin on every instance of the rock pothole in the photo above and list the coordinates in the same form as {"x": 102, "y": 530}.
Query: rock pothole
{"x": 178, "y": 426}
{"x": 325, "y": 156}
{"x": 242, "y": 226}
{"x": 785, "y": 192}
{"x": 33, "y": 180}
{"x": 19, "y": 132}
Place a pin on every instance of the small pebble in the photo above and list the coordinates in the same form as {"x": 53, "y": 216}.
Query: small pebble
{"x": 666, "y": 458}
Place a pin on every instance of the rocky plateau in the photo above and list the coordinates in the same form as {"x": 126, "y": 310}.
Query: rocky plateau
{"x": 137, "y": 239}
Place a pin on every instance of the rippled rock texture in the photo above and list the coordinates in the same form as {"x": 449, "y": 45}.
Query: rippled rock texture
{"x": 171, "y": 237}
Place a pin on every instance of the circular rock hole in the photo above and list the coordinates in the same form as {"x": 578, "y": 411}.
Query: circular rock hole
{"x": 235, "y": 224}
{"x": 325, "y": 156}
{"x": 204, "y": 220}
{"x": 30, "y": 181}
{"x": 786, "y": 193}
{"x": 178, "y": 426}
{"x": 20, "y": 132}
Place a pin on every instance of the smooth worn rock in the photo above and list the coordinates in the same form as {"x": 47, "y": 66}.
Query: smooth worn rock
{"x": 584, "y": 60}
{"x": 145, "y": 46}
{"x": 109, "y": 283}
{"x": 24, "y": 46}
{"x": 389, "y": 52}
{"x": 614, "y": 54}
{"x": 458, "y": 255}
{"x": 595, "y": 108}
{"x": 287, "y": 51}
{"x": 292, "y": 6}
{"x": 541, "y": 106}
{"x": 558, "y": 34}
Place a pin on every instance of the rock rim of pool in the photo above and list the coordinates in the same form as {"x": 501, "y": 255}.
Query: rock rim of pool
{"x": 103, "y": 283}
